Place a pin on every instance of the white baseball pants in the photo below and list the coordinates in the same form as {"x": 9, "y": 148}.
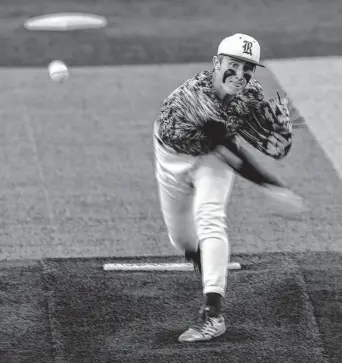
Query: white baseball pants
{"x": 193, "y": 195}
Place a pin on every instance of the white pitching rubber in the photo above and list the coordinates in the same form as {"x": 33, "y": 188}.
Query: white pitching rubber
{"x": 158, "y": 266}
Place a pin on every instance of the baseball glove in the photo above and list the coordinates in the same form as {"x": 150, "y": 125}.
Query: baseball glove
{"x": 267, "y": 126}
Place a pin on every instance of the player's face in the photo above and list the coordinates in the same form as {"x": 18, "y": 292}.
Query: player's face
{"x": 235, "y": 74}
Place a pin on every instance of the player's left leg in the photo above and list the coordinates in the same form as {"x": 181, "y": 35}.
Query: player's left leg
{"x": 213, "y": 181}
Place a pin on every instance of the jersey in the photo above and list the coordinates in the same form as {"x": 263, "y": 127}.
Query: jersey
{"x": 194, "y": 120}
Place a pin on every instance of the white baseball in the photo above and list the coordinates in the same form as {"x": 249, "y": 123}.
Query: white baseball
{"x": 58, "y": 71}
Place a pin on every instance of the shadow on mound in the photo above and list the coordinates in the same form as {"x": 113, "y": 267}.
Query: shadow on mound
{"x": 279, "y": 308}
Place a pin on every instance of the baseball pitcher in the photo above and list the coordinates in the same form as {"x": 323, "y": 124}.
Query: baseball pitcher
{"x": 197, "y": 153}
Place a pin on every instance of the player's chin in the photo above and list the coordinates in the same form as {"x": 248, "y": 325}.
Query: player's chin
{"x": 233, "y": 88}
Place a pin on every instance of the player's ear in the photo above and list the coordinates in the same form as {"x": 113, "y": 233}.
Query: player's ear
{"x": 216, "y": 63}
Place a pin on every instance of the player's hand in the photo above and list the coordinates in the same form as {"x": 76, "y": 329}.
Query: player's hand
{"x": 278, "y": 141}
{"x": 278, "y": 145}
{"x": 280, "y": 109}
{"x": 286, "y": 199}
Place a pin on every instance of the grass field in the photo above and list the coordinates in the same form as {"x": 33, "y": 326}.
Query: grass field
{"x": 77, "y": 190}
{"x": 67, "y": 174}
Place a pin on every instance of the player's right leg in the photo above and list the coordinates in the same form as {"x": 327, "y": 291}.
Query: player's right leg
{"x": 176, "y": 208}
{"x": 176, "y": 196}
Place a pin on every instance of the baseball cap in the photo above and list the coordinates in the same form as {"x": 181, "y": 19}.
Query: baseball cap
{"x": 241, "y": 46}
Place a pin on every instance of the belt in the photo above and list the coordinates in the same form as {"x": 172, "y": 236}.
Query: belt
{"x": 159, "y": 141}
{"x": 162, "y": 143}
{"x": 166, "y": 147}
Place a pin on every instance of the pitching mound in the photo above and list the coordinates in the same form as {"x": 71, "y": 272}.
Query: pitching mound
{"x": 279, "y": 308}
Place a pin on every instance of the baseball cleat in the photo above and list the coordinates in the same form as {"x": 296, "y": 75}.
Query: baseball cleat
{"x": 195, "y": 258}
{"x": 211, "y": 327}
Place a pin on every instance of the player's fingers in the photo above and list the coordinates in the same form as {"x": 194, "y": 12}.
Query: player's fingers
{"x": 279, "y": 138}
{"x": 282, "y": 114}
{"x": 273, "y": 140}
{"x": 279, "y": 141}
{"x": 283, "y": 130}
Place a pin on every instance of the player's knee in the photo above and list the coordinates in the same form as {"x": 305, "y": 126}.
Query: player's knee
{"x": 211, "y": 221}
{"x": 177, "y": 243}
{"x": 181, "y": 243}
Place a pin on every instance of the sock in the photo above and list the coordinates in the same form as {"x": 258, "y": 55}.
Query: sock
{"x": 213, "y": 300}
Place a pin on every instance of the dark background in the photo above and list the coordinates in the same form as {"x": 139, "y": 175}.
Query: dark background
{"x": 166, "y": 31}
